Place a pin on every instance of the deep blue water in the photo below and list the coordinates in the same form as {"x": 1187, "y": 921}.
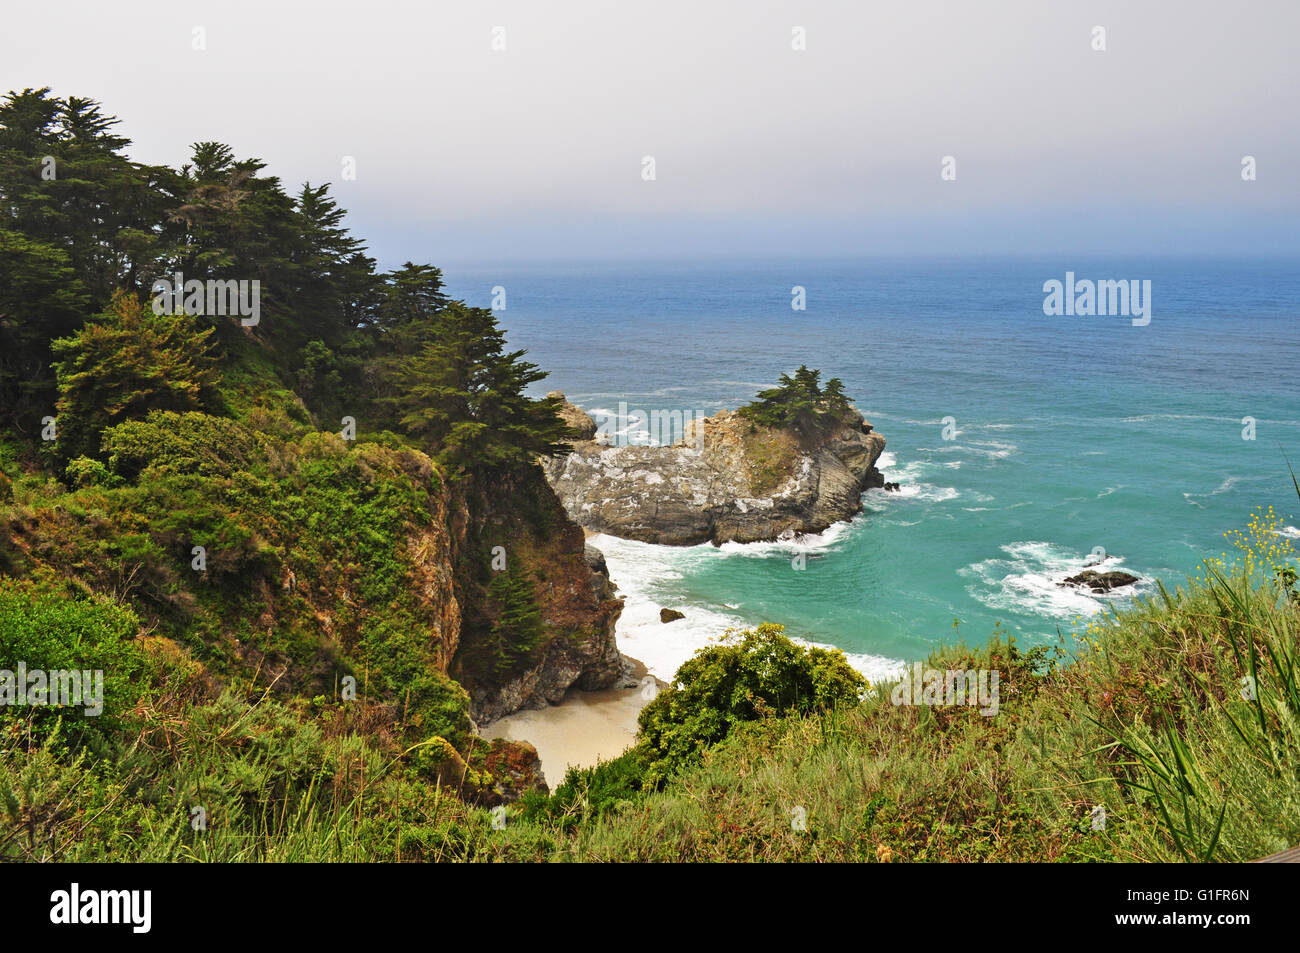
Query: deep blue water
{"x": 1072, "y": 432}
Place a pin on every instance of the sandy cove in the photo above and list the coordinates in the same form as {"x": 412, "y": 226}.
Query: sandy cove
{"x": 585, "y": 727}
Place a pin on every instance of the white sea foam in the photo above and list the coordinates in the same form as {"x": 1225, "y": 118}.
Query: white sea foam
{"x": 640, "y": 571}
{"x": 910, "y": 485}
{"x": 925, "y": 492}
{"x": 643, "y": 573}
{"x": 1086, "y": 499}
{"x": 790, "y": 544}
{"x": 1145, "y": 418}
{"x": 628, "y": 435}
{"x": 1025, "y": 580}
{"x": 873, "y": 414}
{"x": 1223, "y": 487}
{"x": 993, "y": 449}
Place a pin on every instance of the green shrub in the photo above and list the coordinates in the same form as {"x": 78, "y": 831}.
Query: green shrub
{"x": 589, "y": 793}
{"x": 45, "y": 630}
{"x": 400, "y": 653}
{"x": 181, "y": 443}
{"x": 754, "y": 674}
{"x": 84, "y": 472}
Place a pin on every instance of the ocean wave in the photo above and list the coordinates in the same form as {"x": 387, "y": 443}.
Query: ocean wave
{"x": 757, "y": 385}
{"x": 924, "y": 492}
{"x": 993, "y": 449}
{"x": 630, "y": 436}
{"x": 1146, "y": 418}
{"x": 1087, "y": 499}
{"x": 791, "y": 544}
{"x": 906, "y": 473}
{"x": 1223, "y": 487}
{"x": 640, "y": 571}
{"x": 1025, "y": 581}
{"x": 870, "y": 414}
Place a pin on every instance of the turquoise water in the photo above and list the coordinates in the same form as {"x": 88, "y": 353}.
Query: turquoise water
{"x": 1072, "y": 433}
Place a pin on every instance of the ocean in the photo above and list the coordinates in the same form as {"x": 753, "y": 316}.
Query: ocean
{"x": 1069, "y": 439}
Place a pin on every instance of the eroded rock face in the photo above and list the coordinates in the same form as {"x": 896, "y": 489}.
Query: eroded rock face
{"x": 573, "y": 592}
{"x": 732, "y": 482}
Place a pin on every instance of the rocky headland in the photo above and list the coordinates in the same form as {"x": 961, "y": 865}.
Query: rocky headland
{"x": 729, "y": 479}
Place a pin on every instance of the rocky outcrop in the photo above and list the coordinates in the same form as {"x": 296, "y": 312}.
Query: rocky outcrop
{"x": 727, "y": 480}
{"x": 670, "y": 615}
{"x": 574, "y": 417}
{"x": 1100, "y": 581}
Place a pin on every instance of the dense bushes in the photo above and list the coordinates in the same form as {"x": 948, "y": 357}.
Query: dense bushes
{"x": 182, "y": 443}
{"x": 754, "y": 674}
{"x": 43, "y": 629}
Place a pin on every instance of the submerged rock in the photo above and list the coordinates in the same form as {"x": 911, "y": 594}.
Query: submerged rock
{"x": 1100, "y": 581}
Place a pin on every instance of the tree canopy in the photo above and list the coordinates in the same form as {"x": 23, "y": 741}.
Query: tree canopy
{"x": 801, "y": 402}
{"x": 85, "y": 231}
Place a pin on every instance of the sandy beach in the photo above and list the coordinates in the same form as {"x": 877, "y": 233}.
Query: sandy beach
{"x": 585, "y": 727}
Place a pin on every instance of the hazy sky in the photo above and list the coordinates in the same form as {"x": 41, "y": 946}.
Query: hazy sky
{"x": 464, "y": 152}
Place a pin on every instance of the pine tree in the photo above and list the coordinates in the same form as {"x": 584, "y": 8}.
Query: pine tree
{"x": 800, "y": 402}
{"x": 519, "y": 625}
{"x": 125, "y": 364}
{"x": 462, "y": 394}
{"x": 41, "y": 298}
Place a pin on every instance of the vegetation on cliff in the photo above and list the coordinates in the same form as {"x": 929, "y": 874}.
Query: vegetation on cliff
{"x": 273, "y": 531}
{"x": 1169, "y": 736}
{"x": 801, "y": 403}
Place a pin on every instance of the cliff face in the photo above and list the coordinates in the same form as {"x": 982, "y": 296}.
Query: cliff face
{"x": 521, "y": 525}
{"x": 736, "y": 481}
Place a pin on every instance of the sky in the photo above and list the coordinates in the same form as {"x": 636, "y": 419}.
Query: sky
{"x": 465, "y": 151}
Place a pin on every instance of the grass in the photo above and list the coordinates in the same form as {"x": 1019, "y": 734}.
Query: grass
{"x": 772, "y": 456}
